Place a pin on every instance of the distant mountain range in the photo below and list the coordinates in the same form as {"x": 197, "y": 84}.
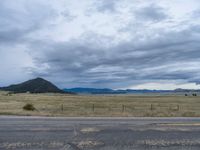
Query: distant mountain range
{"x": 186, "y": 90}
{"x": 37, "y": 85}
{"x": 126, "y": 91}
{"x": 111, "y": 91}
{"x": 40, "y": 85}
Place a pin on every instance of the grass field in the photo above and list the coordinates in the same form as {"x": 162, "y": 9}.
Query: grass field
{"x": 100, "y": 105}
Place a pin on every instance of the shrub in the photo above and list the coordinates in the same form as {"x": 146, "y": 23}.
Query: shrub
{"x": 29, "y": 107}
{"x": 189, "y": 114}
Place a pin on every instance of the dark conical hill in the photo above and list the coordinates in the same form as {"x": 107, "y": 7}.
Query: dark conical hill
{"x": 37, "y": 85}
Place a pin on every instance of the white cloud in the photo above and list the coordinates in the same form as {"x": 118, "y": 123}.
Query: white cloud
{"x": 166, "y": 85}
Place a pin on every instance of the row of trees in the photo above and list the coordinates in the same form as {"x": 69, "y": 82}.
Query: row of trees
{"x": 194, "y": 94}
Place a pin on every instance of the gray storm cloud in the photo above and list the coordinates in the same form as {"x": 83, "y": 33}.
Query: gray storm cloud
{"x": 113, "y": 47}
{"x": 150, "y": 13}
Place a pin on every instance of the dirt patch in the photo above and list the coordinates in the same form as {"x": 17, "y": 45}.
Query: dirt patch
{"x": 90, "y": 144}
{"x": 89, "y": 130}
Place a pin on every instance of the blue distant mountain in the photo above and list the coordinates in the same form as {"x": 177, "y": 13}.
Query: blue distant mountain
{"x": 92, "y": 91}
{"x": 111, "y": 91}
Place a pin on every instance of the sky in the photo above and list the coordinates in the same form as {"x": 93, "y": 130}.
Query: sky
{"x": 119, "y": 44}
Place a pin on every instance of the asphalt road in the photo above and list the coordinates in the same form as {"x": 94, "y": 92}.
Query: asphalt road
{"x": 41, "y": 133}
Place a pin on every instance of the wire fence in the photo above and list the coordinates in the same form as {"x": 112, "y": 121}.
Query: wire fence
{"x": 148, "y": 110}
{"x": 122, "y": 108}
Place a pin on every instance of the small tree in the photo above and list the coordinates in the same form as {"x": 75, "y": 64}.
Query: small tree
{"x": 29, "y": 107}
{"x": 194, "y": 94}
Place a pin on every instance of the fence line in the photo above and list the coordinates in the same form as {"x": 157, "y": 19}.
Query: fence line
{"x": 124, "y": 108}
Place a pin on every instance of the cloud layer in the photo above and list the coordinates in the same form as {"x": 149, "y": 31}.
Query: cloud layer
{"x": 101, "y": 43}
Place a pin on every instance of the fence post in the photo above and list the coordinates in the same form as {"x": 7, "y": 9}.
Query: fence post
{"x": 178, "y": 107}
{"x": 151, "y": 106}
{"x": 62, "y": 108}
{"x": 109, "y": 108}
{"x": 93, "y": 107}
{"x": 123, "y": 108}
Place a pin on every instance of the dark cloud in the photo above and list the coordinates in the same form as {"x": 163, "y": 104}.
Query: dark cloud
{"x": 19, "y": 20}
{"x": 167, "y": 57}
{"x": 151, "y": 13}
{"x": 106, "y": 5}
{"x": 15, "y": 24}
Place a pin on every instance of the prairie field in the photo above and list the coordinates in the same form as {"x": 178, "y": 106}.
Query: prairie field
{"x": 100, "y": 105}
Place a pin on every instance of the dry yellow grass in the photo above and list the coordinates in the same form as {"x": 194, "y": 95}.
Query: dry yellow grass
{"x": 104, "y": 105}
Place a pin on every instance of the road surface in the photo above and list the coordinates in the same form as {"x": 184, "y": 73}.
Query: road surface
{"x": 42, "y": 133}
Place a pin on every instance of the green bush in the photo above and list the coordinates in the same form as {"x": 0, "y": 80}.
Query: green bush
{"x": 29, "y": 107}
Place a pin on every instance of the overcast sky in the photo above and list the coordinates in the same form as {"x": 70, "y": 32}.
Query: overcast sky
{"x": 145, "y": 44}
